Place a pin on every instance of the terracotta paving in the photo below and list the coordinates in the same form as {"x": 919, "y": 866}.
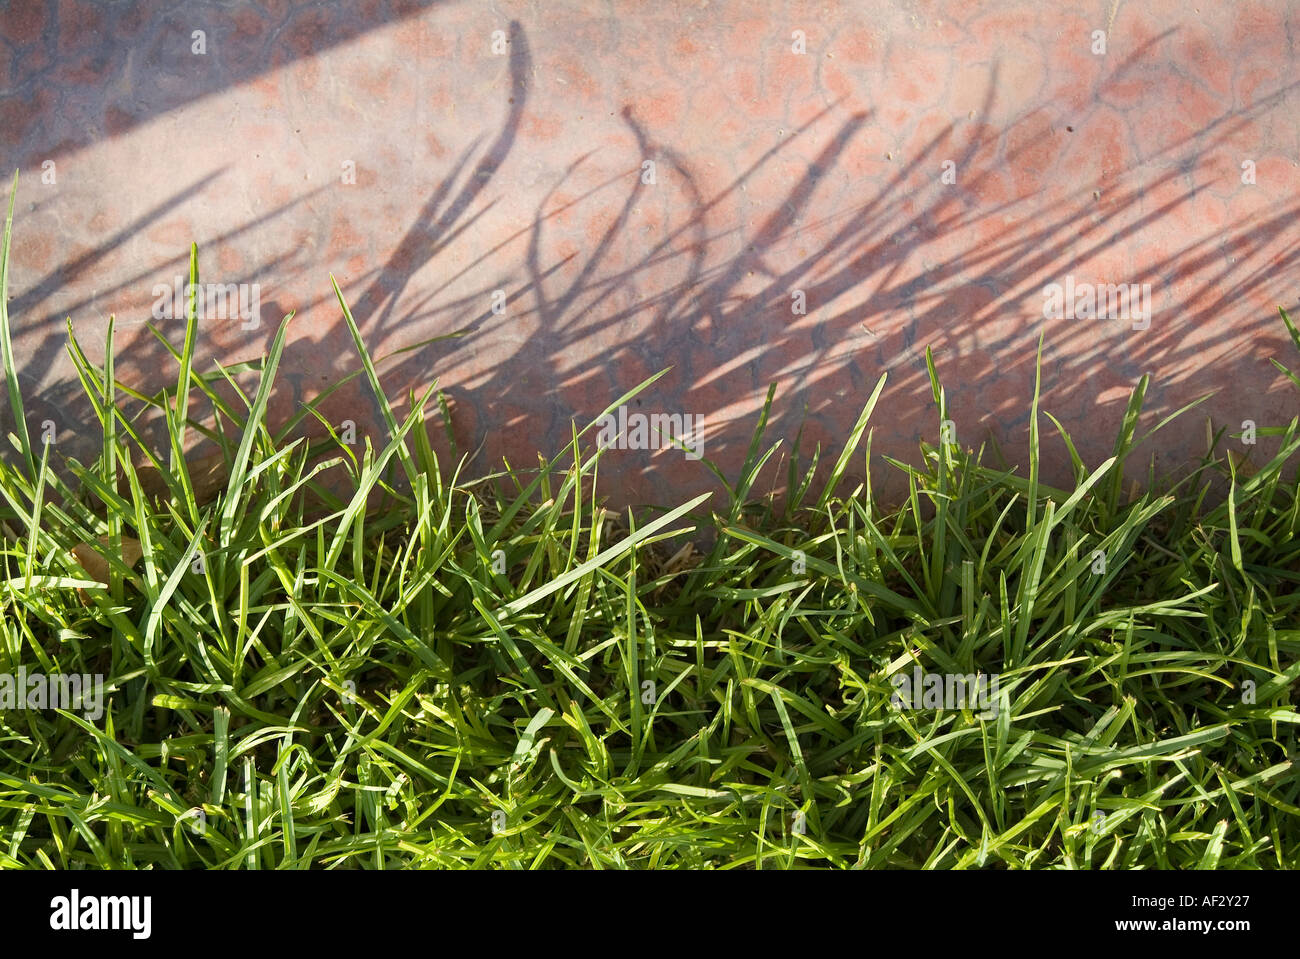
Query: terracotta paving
{"x": 801, "y": 193}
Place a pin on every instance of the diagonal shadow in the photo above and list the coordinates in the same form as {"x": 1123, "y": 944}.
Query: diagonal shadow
{"x": 67, "y": 49}
{"x": 905, "y": 265}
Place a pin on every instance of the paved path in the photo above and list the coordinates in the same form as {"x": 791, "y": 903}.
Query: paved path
{"x": 830, "y": 189}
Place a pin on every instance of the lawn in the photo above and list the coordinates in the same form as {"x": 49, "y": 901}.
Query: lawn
{"x": 437, "y": 669}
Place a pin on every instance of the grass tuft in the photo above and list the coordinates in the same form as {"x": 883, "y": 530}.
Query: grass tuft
{"x": 523, "y": 679}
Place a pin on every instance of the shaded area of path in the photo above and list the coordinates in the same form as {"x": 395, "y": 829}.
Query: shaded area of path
{"x": 911, "y": 179}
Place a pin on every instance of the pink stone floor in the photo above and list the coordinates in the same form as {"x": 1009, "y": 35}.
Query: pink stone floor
{"x": 502, "y": 147}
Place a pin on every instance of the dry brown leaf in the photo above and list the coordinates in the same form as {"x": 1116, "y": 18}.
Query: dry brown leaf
{"x": 94, "y": 563}
{"x": 1242, "y": 464}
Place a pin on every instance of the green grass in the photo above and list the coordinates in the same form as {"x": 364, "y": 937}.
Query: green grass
{"x": 339, "y": 687}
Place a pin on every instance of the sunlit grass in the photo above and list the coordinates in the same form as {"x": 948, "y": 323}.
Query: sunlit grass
{"x": 471, "y": 677}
